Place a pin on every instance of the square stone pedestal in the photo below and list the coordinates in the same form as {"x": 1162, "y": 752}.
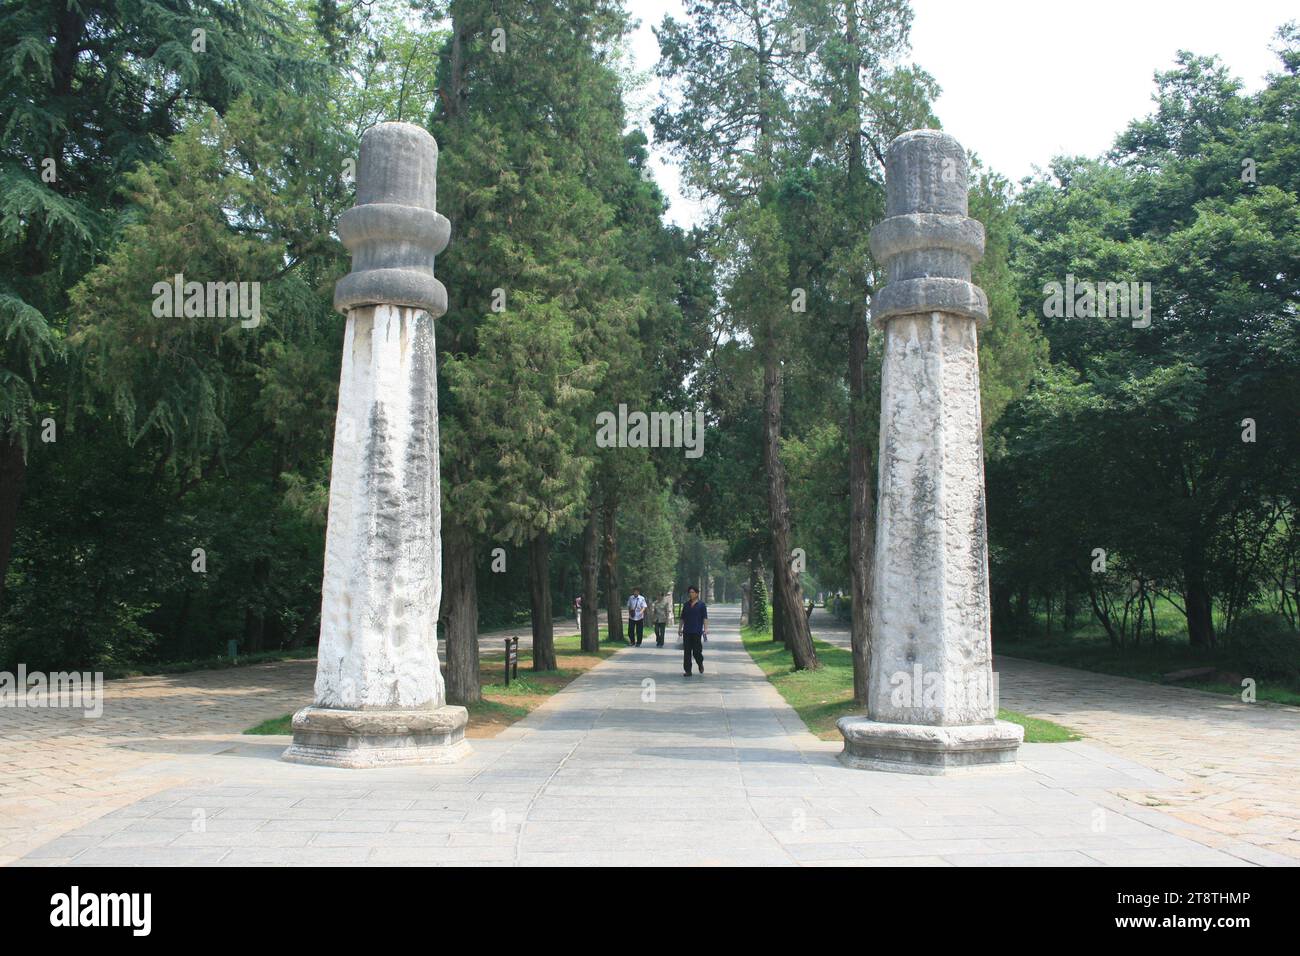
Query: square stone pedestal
{"x": 378, "y": 738}
{"x": 925, "y": 749}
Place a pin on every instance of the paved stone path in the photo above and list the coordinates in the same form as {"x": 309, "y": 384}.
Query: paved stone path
{"x": 1237, "y": 764}
{"x": 633, "y": 763}
{"x": 59, "y": 770}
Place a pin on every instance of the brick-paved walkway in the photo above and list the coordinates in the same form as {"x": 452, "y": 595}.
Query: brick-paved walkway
{"x": 712, "y": 770}
{"x": 1238, "y": 764}
{"x": 59, "y": 770}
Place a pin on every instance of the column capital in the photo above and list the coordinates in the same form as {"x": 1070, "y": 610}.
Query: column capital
{"x": 394, "y": 232}
{"x": 928, "y": 244}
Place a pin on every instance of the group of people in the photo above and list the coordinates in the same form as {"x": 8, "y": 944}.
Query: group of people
{"x": 692, "y": 626}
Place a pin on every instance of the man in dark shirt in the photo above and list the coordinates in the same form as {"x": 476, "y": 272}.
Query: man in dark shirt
{"x": 694, "y": 628}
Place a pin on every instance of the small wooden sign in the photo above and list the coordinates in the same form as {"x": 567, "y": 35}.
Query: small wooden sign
{"x": 512, "y": 658}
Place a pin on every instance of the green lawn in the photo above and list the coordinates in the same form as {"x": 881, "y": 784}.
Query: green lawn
{"x": 276, "y": 725}
{"x": 502, "y": 705}
{"x": 1037, "y": 730}
{"x": 823, "y": 696}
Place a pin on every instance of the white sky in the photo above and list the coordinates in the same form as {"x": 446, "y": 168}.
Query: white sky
{"x": 1026, "y": 80}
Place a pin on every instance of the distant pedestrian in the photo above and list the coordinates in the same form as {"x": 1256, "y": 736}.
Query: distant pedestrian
{"x": 636, "y": 606}
{"x": 694, "y": 628}
{"x": 662, "y": 616}
{"x": 577, "y": 610}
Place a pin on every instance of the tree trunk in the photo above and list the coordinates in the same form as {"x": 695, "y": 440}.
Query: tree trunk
{"x": 862, "y": 509}
{"x": 1069, "y": 608}
{"x": 182, "y": 633}
{"x": 613, "y": 603}
{"x": 1004, "y": 616}
{"x": 304, "y": 632}
{"x": 255, "y": 610}
{"x": 459, "y": 612}
{"x": 455, "y": 95}
{"x": 862, "y": 495}
{"x": 1199, "y": 604}
{"x": 778, "y": 622}
{"x": 590, "y": 597}
{"x": 796, "y": 634}
{"x": 13, "y": 475}
{"x": 539, "y": 579}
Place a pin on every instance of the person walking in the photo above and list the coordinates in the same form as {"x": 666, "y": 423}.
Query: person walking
{"x": 635, "y": 617}
{"x": 694, "y": 628}
{"x": 662, "y": 616}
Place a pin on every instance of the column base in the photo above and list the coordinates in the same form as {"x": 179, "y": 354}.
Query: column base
{"x": 925, "y": 749}
{"x": 378, "y": 738}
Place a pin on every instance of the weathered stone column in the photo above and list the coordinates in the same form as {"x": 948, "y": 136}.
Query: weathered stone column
{"x": 380, "y": 698}
{"x": 931, "y": 701}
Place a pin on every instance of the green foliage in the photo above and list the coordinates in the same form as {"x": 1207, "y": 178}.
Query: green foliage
{"x": 1012, "y": 346}
{"x": 760, "y": 611}
{"x": 819, "y": 489}
{"x": 1133, "y": 441}
{"x": 649, "y": 542}
{"x": 87, "y": 93}
{"x": 526, "y": 422}
{"x": 134, "y": 149}
{"x": 1265, "y": 646}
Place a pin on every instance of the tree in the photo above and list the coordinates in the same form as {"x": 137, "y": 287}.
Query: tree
{"x": 732, "y": 63}
{"x": 861, "y": 96}
{"x": 197, "y": 396}
{"x": 527, "y": 421}
{"x": 535, "y": 128}
{"x": 88, "y": 91}
{"x": 1158, "y": 403}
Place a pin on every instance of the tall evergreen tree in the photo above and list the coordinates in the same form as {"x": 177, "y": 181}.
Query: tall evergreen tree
{"x": 88, "y": 91}
{"x": 733, "y": 64}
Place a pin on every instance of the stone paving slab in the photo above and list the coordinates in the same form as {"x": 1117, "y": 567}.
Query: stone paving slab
{"x": 635, "y": 764}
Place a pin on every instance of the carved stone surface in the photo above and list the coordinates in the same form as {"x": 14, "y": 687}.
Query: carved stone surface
{"x": 380, "y": 697}
{"x": 926, "y": 749}
{"x": 931, "y": 704}
{"x": 370, "y": 738}
{"x": 383, "y": 559}
{"x": 394, "y": 231}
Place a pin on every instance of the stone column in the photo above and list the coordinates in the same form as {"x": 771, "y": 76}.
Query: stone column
{"x": 380, "y": 698}
{"x": 931, "y": 700}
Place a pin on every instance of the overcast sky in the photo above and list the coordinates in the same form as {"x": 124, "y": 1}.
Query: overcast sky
{"x": 1026, "y": 80}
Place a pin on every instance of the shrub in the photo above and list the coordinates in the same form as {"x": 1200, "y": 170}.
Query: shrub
{"x": 1264, "y": 645}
